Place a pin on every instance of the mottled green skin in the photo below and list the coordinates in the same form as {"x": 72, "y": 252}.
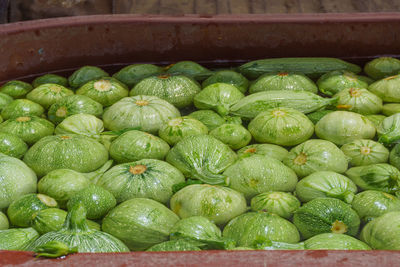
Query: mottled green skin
{"x": 84, "y": 75}
{"x": 234, "y": 135}
{"x": 155, "y": 182}
{"x": 31, "y": 129}
{"x": 62, "y": 184}
{"x": 383, "y": 232}
{"x": 97, "y": 201}
{"x": 230, "y": 77}
{"x": 280, "y": 203}
{"x": 76, "y": 233}
{"x": 366, "y": 79}
{"x": 387, "y": 89}
{"x": 20, "y": 108}
{"x": 331, "y": 241}
{"x": 316, "y": 155}
{"x": 283, "y": 81}
{"x": 52, "y": 219}
{"x": 257, "y": 174}
{"x": 316, "y": 116}
{"x": 217, "y": 203}
{"x": 376, "y": 119}
{"x": 209, "y": 118}
{"x": 190, "y": 69}
{"x": 48, "y": 94}
{"x": 140, "y": 223}
{"x": 394, "y": 157}
{"x": 176, "y": 129}
{"x": 178, "y": 90}
{"x": 76, "y": 152}
{"x": 175, "y": 245}
{"x": 341, "y": 127}
{"x": 130, "y": 113}
{"x": 113, "y": 90}
{"x": 303, "y": 101}
{"x": 3, "y": 221}
{"x": 382, "y": 67}
{"x": 202, "y": 157}
{"x": 136, "y": 145}
{"x": 268, "y": 150}
{"x": 17, "y": 238}
{"x": 17, "y": 180}
{"x": 335, "y": 81}
{"x": 50, "y": 78}
{"x": 290, "y": 127}
{"x": 371, "y": 204}
{"x": 73, "y": 104}
{"x": 16, "y": 89}
{"x": 12, "y": 145}
{"x": 389, "y": 130}
{"x": 319, "y": 215}
{"x": 132, "y": 74}
{"x": 247, "y": 228}
{"x": 197, "y": 228}
{"x": 359, "y": 100}
{"x": 365, "y": 152}
{"x": 5, "y": 100}
{"x": 381, "y": 177}
{"x": 83, "y": 124}
{"x": 218, "y": 97}
{"x": 326, "y": 184}
{"x": 391, "y": 109}
{"x": 21, "y": 210}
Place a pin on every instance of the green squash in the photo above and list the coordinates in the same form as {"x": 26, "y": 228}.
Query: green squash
{"x": 326, "y": 184}
{"x": 366, "y": 79}
{"x": 387, "y": 89}
{"x": 218, "y": 97}
{"x": 84, "y": 75}
{"x": 49, "y": 93}
{"x": 5, "y": 100}
{"x": 281, "y": 126}
{"x": 341, "y": 127}
{"x": 21, "y": 210}
{"x": 326, "y": 215}
{"x": 217, "y": 203}
{"x": 383, "y": 232}
{"x": 178, "y": 90}
{"x": 391, "y": 109}
{"x": 178, "y": 128}
{"x": 257, "y": 174}
{"x": 316, "y": 116}
{"x": 209, "y": 118}
{"x": 29, "y": 128}
{"x": 376, "y": 119}
{"x": 147, "y": 113}
{"x": 283, "y": 81}
{"x": 190, "y": 69}
{"x": 50, "y": 78}
{"x": 21, "y": 108}
{"x": 389, "y": 130}
{"x": 52, "y": 219}
{"x": 371, "y": 204}
{"x": 365, "y": 152}
{"x": 230, "y": 77}
{"x": 382, "y": 67}
{"x": 12, "y": 145}
{"x": 176, "y": 245}
{"x": 335, "y": 81}
{"x": 16, "y": 89}
{"x": 268, "y": 150}
{"x": 234, "y": 135}
{"x": 105, "y": 91}
{"x": 76, "y": 152}
{"x": 147, "y": 178}
{"x": 133, "y": 74}
{"x": 17, "y": 180}
{"x": 73, "y": 104}
{"x": 280, "y": 203}
{"x": 4, "y": 224}
{"x": 17, "y": 238}
{"x": 140, "y": 223}
{"x": 394, "y": 157}
{"x": 83, "y": 124}
{"x": 248, "y": 228}
{"x": 316, "y": 155}
{"x": 332, "y": 241}
{"x": 303, "y": 101}
{"x": 97, "y": 201}
{"x": 76, "y": 233}
{"x": 359, "y": 100}
{"x": 381, "y": 177}
{"x": 202, "y": 157}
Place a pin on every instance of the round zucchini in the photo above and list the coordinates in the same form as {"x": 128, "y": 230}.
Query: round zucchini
{"x": 12, "y": 145}
{"x": 359, "y": 100}
{"x": 382, "y": 67}
{"x": 365, "y": 152}
{"x": 21, "y": 108}
{"x": 190, "y": 69}
{"x": 4, "y": 224}
{"x": 230, "y": 77}
{"x": 280, "y": 203}
{"x": 48, "y": 94}
{"x": 209, "y": 118}
{"x": 50, "y": 78}
{"x": 335, "y": 81}
{"x": 387, "y": 89}
{"x": 16, "y": 89}
{"x": 133, "y": 74}
{"x": 84, "y": 75}
{"x": 178, "y": 128}
{"x": 234, "y": 135}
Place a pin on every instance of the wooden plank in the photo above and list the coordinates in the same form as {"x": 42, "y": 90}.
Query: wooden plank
{"x": 176, "y": 7}
{"x": 136, "y": 7}
{"x": 257, "y": 6}
{"x": 239, "y": 6}
{"x": 311, "y": 6}
{"x": 205, "y": 6}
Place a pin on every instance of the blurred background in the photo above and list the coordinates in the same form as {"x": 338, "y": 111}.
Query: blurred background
{"x": 17, "y": 10}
